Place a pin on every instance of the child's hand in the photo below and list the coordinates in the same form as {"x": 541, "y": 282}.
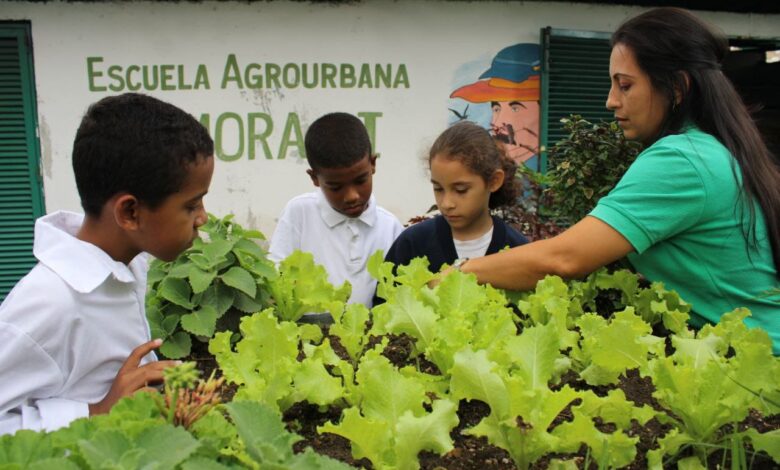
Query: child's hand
{"x": 132, "y": 378}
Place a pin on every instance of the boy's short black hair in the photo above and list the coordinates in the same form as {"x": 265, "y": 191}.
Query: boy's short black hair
{"x": 138, "y": 144}
{"x": 336, "y": 140}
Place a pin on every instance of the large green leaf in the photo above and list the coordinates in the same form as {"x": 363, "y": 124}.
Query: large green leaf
{"x": 474, "y": 377}
{"x": 246, "y": 304}
{"x": 768, "y": 442}
{"x": 218, "y": 296}
{"x": 387, "y": 394}
{"x": 58, "y": 463}
{"x": 239, "y": 278}
{"x": 369, "y": 437}
{"x": 428, "y": 432}
{"x": 613, "y": 450}
{"x": 200, "y": 280}
{"x": 257, "y": 234}
{"x": 406, "y": 314}
{"x": 535, "y": 352}
{"x": 249, "y": 247}
{"x": 176, "y": 291}
{"x": 382, "y": 271}
{"x": 156, "y": 272}
{"x": 416, "y": 274}
{"x": 156, "y": 319}
{"x": 180, "y": 270}
{"x": 202, "y": 463}
{"x": 169, "y": 324}
{"x": 216, "y": 250}
{"x": 351, "y": 329}
{"x": 25, "y": 447}
{"x": 262, "y": 431}
{"x": 316, "y": 385}
{"x": 177, "y": 346}
{"x": 165, "y": 446}
{"x": 459, "y": 293}
{"x": 202, "y": 261}
{"x": 200, "y": 322}
{"x": 109, "y": 448}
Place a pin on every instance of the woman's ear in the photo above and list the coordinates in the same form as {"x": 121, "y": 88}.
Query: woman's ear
{"x": 125, "y": 208}
{"x": 496, "y": 180}
{"x": 685, "y": 83}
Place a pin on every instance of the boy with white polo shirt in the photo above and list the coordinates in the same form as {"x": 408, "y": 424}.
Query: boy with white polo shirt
{"x": 73, "y": 332}
{"x": 339, "y": 223}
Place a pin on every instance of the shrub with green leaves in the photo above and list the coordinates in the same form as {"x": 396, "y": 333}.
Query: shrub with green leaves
{"x": 585, "y": 166}
{"x": 209, "y": 287}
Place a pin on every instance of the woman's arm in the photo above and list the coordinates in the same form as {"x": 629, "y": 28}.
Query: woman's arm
{"x": 580, "y": 250}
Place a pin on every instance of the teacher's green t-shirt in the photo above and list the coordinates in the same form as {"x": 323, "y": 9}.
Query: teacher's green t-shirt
{"x": 679, "y": 207}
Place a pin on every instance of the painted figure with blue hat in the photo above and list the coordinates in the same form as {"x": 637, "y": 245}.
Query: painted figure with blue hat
{"x": 511, "y": 86}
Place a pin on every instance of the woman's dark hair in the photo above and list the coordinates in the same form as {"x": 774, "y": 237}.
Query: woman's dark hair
{"x": 682, "y": 56}
{"x": 473, "y": 146}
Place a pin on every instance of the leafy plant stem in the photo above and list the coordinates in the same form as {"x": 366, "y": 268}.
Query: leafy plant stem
{"x": 174, "y": 394}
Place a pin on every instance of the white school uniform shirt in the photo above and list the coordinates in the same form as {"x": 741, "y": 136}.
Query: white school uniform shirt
{"x": 67, "y": 327}
{"x": 339, "y": 243}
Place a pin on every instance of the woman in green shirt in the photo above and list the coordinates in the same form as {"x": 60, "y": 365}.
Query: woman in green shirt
{"x": 700, "y": 208}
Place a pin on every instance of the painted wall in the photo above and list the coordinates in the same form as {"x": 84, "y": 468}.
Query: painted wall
{"x": 248, "y": 69}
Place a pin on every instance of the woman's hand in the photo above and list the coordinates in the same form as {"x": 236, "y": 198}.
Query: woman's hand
{"x": 580, "y": 250}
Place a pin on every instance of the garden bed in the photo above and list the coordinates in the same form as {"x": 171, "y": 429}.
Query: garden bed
{"x": 471, "y": 452}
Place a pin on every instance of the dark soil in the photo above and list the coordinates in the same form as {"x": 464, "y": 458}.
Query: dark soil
{"x": 471, "y": 452}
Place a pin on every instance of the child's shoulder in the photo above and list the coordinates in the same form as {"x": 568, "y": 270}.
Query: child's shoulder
{"x": 41, "y": 278}
{"x": 301, "y": 206}
{"x": 304, "y": 200}
{"x": 386, "y": 216}
{"x": 426, "y": 228}
{"x": 33, "y": 313}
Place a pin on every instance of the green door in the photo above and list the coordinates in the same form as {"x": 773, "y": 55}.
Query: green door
{"x": 575, "y": 80}
{"x": 21, "y": 197}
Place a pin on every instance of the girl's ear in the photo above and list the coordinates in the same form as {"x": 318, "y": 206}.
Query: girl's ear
{"x": 125, "y": 208}
{"x": 496, "y": 180}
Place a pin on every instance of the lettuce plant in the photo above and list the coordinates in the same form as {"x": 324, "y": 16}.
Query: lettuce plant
{"x": 266, "y": 367}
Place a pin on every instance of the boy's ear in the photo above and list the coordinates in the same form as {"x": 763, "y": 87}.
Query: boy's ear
{"x": 125, "y": 208}
{"x": 313, "y": 175}
{"x": 372, "y": 161}
{"x": 496, "y": 180}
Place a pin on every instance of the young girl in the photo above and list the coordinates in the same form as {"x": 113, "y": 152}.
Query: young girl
{"x": 470, "y": 174}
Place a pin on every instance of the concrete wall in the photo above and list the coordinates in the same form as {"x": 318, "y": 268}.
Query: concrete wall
{"x": 207, "y": 55}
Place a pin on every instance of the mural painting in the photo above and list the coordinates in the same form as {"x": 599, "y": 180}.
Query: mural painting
{"x": 511, "y": 89}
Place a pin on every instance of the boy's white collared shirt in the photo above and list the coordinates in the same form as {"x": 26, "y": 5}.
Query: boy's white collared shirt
{"x": 339, "y": 243}
{"x": 67, "y": 327}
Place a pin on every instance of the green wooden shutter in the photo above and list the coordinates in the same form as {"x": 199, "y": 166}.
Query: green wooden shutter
{"x": 21, "y": 199}
{"x": 575, "y": 80}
